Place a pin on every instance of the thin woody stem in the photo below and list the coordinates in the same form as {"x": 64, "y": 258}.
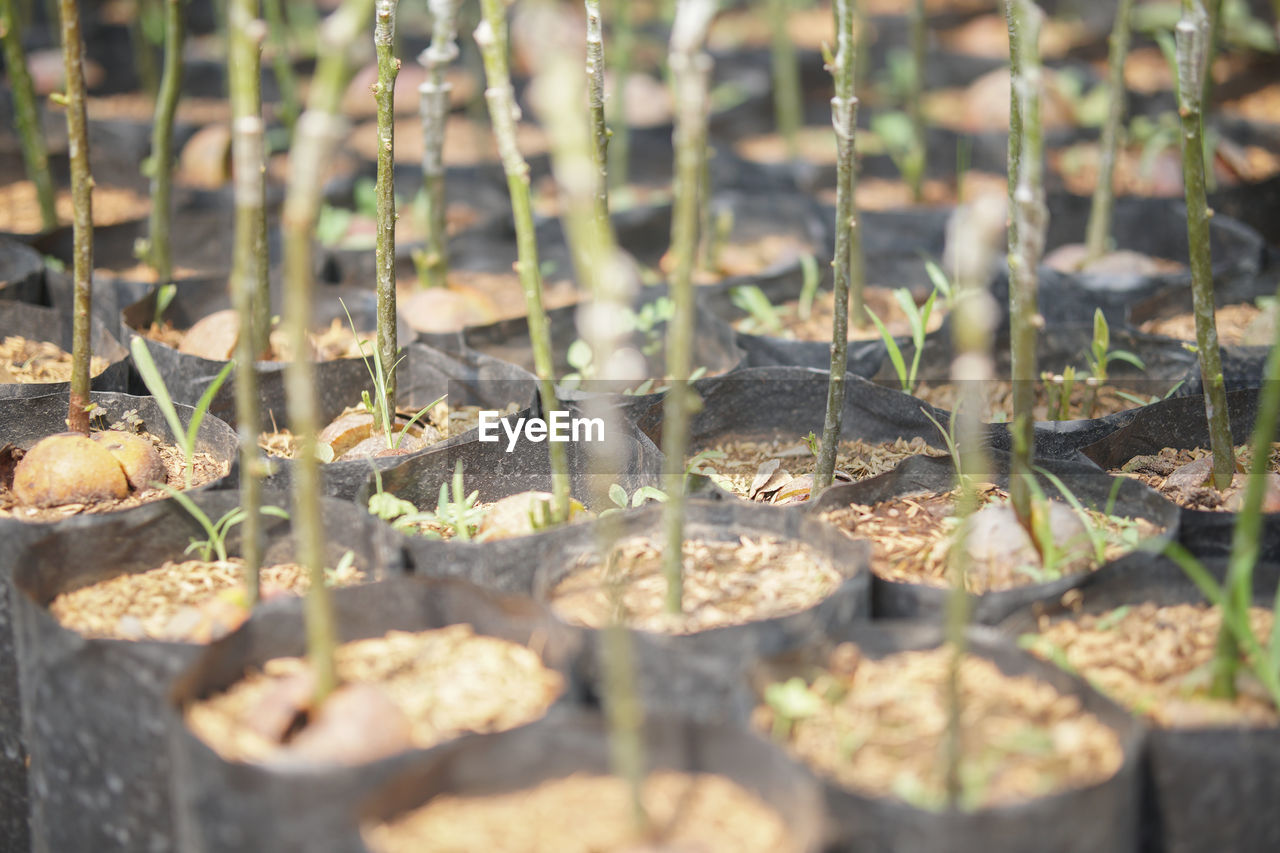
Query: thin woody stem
{"x": 384, "y": 31}
{"x": 844, "y": 119}
{"x": 82, "y": 215}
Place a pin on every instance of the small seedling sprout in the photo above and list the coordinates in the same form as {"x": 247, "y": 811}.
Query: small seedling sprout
{"x": 184, "y": 437}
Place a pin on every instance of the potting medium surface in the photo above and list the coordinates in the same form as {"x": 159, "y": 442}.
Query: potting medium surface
{"x": 879, "y": 727}
{"x": 911, "y": 538}
{"x": 1241, "y": 324}
{"x": 214, "y": 337}
{"x": 774, "y": 470}
{"x": 587, "y": 813}
{"x": 20, "y": 212}
{"x": 187, "y": 601}
{"x": 724, "y": 583}
{"x": 788, "y": 321}
{"x": 1156, "y": 661}
{"x": 414, "y": 690}
{"x": 1085, "y": 401}
{"x": 25, "y": 360}
{"x": 1183, "y": 476}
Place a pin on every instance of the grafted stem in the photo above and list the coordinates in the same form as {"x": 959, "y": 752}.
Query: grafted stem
{"x": 491, "y": 38}
{"x": 25, "y": 116}
{"x": 319, "y": 131}
{"x": 82, "y": 215}
{"x": 159, "y": 247}
{"x": 844, "y": 120}
{"x": 384, "y": 35}
{"x": 1098, "y": 234}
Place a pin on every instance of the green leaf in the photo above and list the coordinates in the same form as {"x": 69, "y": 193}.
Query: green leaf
{"x": 618, "y": 495}
{"x": 895, "y": 353}
{"x": 792, "y": 699}
{"x": 150, "y": 374}
{"x": 579, "y": 355}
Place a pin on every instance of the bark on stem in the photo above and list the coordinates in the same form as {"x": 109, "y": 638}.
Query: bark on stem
{"x": 384, "y": 35}
{"x": 319, "y": 131}
{"x": 82, "y": 214}
{"x": 691, "y": 74}
{"x": 248, "y": 160}
{"x": 1098, "y": 233}
{"x": 844, "y": 119}
{"x": 1192, "y": 34}
{"x": 433, "y": 264}
{"x": 595, "y": 99}
{"x": 491, "y": 38}
{"x": 1029, "y": 220}
{"x": 159, "y": 247}
{"x": 25, "y": 115}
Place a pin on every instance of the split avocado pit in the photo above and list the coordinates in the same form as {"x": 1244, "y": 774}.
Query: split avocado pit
{"x": 69, "y": 468}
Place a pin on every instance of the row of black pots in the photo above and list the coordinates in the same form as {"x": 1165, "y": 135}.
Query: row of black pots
{"x": 25, "y": 421}
{"x": 220, "y": 805}
{"x": 722, "y": 519}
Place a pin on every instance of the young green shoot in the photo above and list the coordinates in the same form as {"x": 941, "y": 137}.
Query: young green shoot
{"x": 763, "y": 315}
{"x": 183, "y": 436}
{"x": 1192, "y": 35}
{"x": 216, "y": 532}
{"x": 846, "y": 287}
{"x": 918, "y": 321}
{"x": 26, "y": 118}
